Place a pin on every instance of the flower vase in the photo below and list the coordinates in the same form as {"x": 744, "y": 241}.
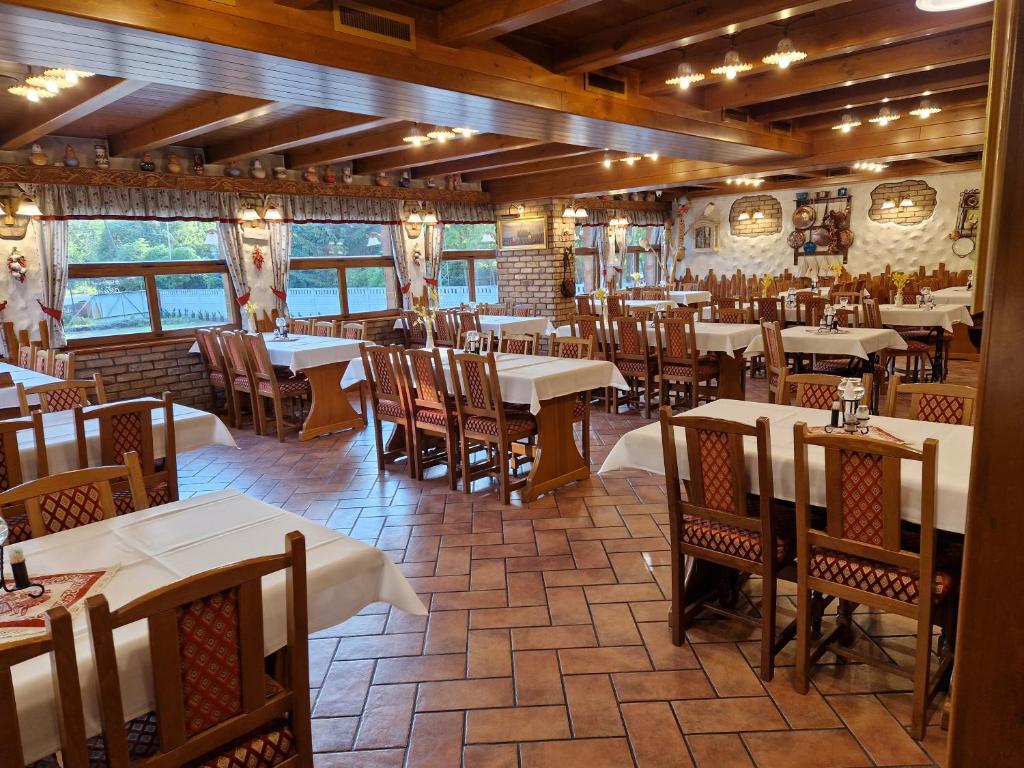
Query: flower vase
{"x": 251, "y": 322}
{"x": 429, "y": 328}
{"x": 899, "y": 297}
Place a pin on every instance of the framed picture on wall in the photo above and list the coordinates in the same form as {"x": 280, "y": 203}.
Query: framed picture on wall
{"x": 529, "y": 234}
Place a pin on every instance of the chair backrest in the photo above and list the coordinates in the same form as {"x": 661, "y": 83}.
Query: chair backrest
{"x": 64, "y": 365}
{"x": 300, "y": 327}
{"x": 235, "y": 357}
{"x": 327, "y": 328}
{"x": 258, "y": 359}
{"x": 631, "y": 343}
{"x": 466, "y": 321}
{"x": 210, "y": 350}
{"x": 770, "y": 309}
{"x": 58, "y": 643}
{"x": 10, "y": 339}
{"x": 79, "y": 497}
{"x": 522, "y": 310}
{"x": 444, "y": 329}
{"x": 616, "y": 305}
{"x": 266, "y": 323}
{"x": 353, "y": 330}
{"x": 206, "y": 642}
{"x": 62, "y": 395}
{"x": 26, "y": 356}
{"x": 810, "y": 307}
{"x": 719, "y": 485}
{"x": 774, "y": 354}
{"x": 518, "y": 343}
{"x": 816, "y": 390}
{"x": 938, "y": 403}
{"x": 643, "y": 314}
{"x": 733, "y": 315}
{"x": 683, "y": 312}
{"x": 10, "y": 450}
{"x": 584, "y": 305}
{"x": 872, "y": 314}
{"x": 655, "y": 294}
{"x": 423, "y": 374}
{"x": 676, "y": 341}
{"x": 413, "y": 328}
{"x": 43, "y": 361}
{"x": 847, "y": 317}
{"x": 571, "y": 347}
{"x": 590, "y": 327}
{"x": 720, "y": 302}
{"x": 475, "y": 381}
{"x": 380, "y": 367}
{"x": 853, "y": 297}
{"x": 863, "y": 493}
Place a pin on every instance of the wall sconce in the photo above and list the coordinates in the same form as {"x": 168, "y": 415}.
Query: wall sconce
{"x": 758, "y": 214}
{"x": 888, "y": 204}
{"x": 906, "y": 202}
{"x": 574, "y": 211}
{"x": 251, "y": 218}
{"x": 417, "y": 217}
{"x": 744, "y": 216}
{"x": 18, "y": 210}
{"x": 618, "y": 221}
{"x": 257, "y": 212}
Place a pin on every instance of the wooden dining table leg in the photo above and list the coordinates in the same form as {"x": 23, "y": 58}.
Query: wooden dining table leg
{"x": 330, "y": 409}
{"x": 557, "y": 460}
{"x": 732, "y": 378}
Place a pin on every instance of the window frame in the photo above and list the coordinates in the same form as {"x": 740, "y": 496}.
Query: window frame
{"x": 341, "y": 265}
{"x": 469, "y": 256}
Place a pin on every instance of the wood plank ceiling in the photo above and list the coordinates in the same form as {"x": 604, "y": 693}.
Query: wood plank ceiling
{"x": 269, "y": 77}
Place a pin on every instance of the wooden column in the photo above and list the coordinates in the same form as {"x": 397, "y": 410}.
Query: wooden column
{"x": 987, "y": 726}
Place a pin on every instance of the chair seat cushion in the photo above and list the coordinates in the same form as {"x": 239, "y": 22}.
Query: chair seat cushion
{"x": 833, "y": 365}
{"x": 389, "y": 409}
{"x": 217, "y": 378}
{"x": 872, "y": 576}
{"x": 291, "y": 387}
{"x": 632, "y": 367}
{"x": 18, "y": 528}
{"x": 728, "y": 539}
{"x": 241, "y": 383}
{"x": 435, "y": 417}
{"x": 705, "y": 370}
{"x": 516, "y": 424}
{"x": 158, "y": 494}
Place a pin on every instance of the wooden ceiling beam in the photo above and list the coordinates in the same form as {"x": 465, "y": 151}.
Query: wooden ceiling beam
{"x": 946, "y": 80}
{"x": 506, "y": 158}
{"x": 594, "y": 157}
{"x": 290, "y": 134}
{"x": 474, "y": 21}
{"x": 683, "y": 25}
{"x": 180, "y": 125}
{"x": 435, "y": 152}
{"x": 918, "y": 56}
{"x": 955, "y": 100}
{"x": 50, "y": 115}
{"x": 824, "y": 36}
{"x": 349, "y": 148}
{"x": 301, "y": 4}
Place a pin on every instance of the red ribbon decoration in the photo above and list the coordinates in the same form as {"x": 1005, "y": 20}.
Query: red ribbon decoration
{"x": 282, "y": 295}
{"x": 617, "y": 269}
{"x": 405, "y": 288}
{"x": 56, "y": 314}
{"x": 3, "y": 305}
{"x": 432, "y": 282}
{"x": 244, "y": 298}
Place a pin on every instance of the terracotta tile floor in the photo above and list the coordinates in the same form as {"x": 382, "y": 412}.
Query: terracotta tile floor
{"x": 547, "y": 642}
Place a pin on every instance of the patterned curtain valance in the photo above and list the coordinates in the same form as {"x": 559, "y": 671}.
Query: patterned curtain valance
{"x": 68, "y": 201}
{"x": 599, "y": 217}
{"x": 465, "y": 213}
{"x": 312, "y": 209}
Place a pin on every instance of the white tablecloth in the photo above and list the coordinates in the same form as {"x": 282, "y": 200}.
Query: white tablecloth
{"x": 641, "y": 449}
{"x": 941, "y": 316}
{"x": 26, "y": 376}
{"x": 711, "y": 337}
{"x": 529, "y": 379}
{"x": 501, "y": 324}
{"x": 851, "y": 342}
{"x": 961, "y": 295}
{"x": 162, "y": 545}
{"x": 658, "y": 305}
{"x": 193, "y": 429}
{"x": 306, "y": 351}
{"x": 689, "y": 297}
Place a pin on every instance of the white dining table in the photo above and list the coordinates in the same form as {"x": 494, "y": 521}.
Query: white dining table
{"x": 848, "y": 342}
{"x": 159, "y": 546}
{"x": 502, "y": 324}
{"x": 642, "y": 449}
{"x": 958, "y": 294}
{"x": 193, "y": 429}
{"x": 684, "y": 298}
{"x": 943, "y": 318}
{"x": 658, "y": 305}
{"x": 25, "y": 376}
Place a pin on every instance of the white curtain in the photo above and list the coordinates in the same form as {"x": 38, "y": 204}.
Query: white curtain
{"x": 432, "y": 259}
{"x": 280, "y": 258}
{"x": 229, "y": 239}
{"x": 52, "y": 239}
{"x": 400, "y": 255}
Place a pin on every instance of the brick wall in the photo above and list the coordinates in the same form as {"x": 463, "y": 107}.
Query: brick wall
{"x": 382, "y": 330}
{"x": 535, "y": 277}
{"x": 148, "y": 369}
{"x": 916, "y": 189}
{"x": 771, "y": 224}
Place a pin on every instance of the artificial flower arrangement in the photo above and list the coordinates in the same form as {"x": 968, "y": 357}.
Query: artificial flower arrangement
{"x": 900, "y": 279}
{"x": 766, "y": 284}
{"x": 426, "y": 315}
{"x": 637, "y": 276}
{"x": 17, "y": 265}
{"x": 251, "y": 308}
{"x": 837, "y": 270}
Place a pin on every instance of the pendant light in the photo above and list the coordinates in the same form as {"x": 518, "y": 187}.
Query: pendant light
{"x": 744, "y": 216}
{"x": 884, "y": 117}
{"x": 947, "y": 5}
{"x": 685, "y": 76}
{"x": 847, "y": 123}
{"x": 888, "y": 204}
{"x": 416, "y": 137}
{"x": 906, "y": 202}
{"x": 758, "y": 214}
{"x": 785, "y": 53}
{"x": 607, "y": 162}
{"x": 464, "y": 132}
{"x": 441, "y": 134}
{"x": 926, "y": 110}
{"x": 732, "y": 64}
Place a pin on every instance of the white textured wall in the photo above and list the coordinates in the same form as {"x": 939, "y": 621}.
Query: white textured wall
{"x": 22, "y": 308}
{"x": 877, "y": 244}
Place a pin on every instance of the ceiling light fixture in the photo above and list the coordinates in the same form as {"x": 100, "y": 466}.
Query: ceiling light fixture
{"x": 732, "y": 64}
{"x": 884, "y": 117}
{"x": 652, "y": 155}
{"x": 631, "y": 159}
{"x": 685, "y": 76}
{"x": 785, "y": 53}
{"x": 607, "y": 162}
{"x": 847, "y": 123}
{"x": 416, "y": 137}
{"x": 758, "y": 214}
{"x": 441, "y": 134}
{"x": 751, "y": 182}
{"x": 871, "y": 167}
{"x": 926, "y": 109}
{"x": 272, "y": 213}
{"x": 947, "y": 5}
{"x": 38, "y": 86}
{"x": 69, "y": 76}
{"x": 465, "y": 132}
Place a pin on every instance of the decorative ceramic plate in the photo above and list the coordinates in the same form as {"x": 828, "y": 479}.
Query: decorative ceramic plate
{"x": 963, "y": 246}
{"x": 810, "y": 248}
{"x": 845, "y": 238}
{"x": 804, "y": 216}
{"x": 795, "y": 239}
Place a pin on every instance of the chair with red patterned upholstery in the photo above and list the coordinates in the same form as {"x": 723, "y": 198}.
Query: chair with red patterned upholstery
{"x": 433, "y": 412}
{"x": 631, "y": 354}
{"x": 276, "y": 385}
{"x": 680, "y": 366}
{"x": 859, "y": 557}
{"x": 940, "y": 403}
{"x": 775, "y": 365}
{"x": 770, "y": 309}
{"x": 216, "y": 707}
{"x": 43, "y": 361}
{"x": 616, "y": 304}
{"x": 208, "y": 340}
{"x": 128, "y": 427}
{"x": 26, "y": 355}
{"x": 381, "y": 370}
{"x": 721, "y": 523}
{"x": 239, "y": 376}
{"x": 523, "y": 310}
{"x": 71, "y": 499}
{"x": 11, "y": 474}
{"x": 591, "y": 327}
{"x": 485, "y": 422}
{"x": 585, "y": 305}
{"x": 465, "y": 321}
{"x": 58, "y": 643}
{"x": 519, "y": 343}
{"x": 445, "y": 332}
{"x": 815, "y": 390}
{"x": 62, "y": 395}
{"x": 574, "y": 348}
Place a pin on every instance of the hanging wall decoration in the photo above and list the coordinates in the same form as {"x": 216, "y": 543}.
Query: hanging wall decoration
{"x": 257, "y": 258}
{"x": 17, "y": 265}
{"x": 967, "y": 220}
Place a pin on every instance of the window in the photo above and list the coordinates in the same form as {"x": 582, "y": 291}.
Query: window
{"x": 128, "y": 277}
{"x": 366, "y": 289}
{"x": 313, "y": 292}
{"x": 485, "y": 280}
{"x": 453, "y": 283}
{"x": 335, "y": 241}
{"x": 470, "y": 237}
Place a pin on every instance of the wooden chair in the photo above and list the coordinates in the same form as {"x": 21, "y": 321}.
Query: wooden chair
{"x": 739, "y": 315}
{"x": 859, "y": 558}
{"x": 719, "y": 523}
{"x": 26, "y": 356}
{"x": 519, "y": 343}
{"x": 10, "y": 339}
{"x": 70, "y": 499}
{"x": 433, "y": 412}
{"x": 616, "y": 304}
{"x": 445, "y": 334}
{"x": 63, "y": 365}
{"x": 523, "y": 310}
{"x": 585, "y": 305}
{"x": 239, "y": 377}
{"x": 412, "y": 329}
{"x": 591, "y": 327}
{"x": 216, "y": 370}
{"x": 852, "y": 297}
{"x": 273, "y": 384}
{"x": 679, "y": 362}
{"x": 43, "y": 361}
{"x": 215, "y": 704}
{"x": 381, "y": 369}
{"x": 464, "y": 323}
{"x": 815, "y": 390}
{"x": 57, "y": 642}
{"x": 62, "y": 395}
{"x": 769, "y": 309}
{"x": 631, "y": 354}
{"x": 266, "y": 323}
{"x": 325, "y": 328}
{"x": 575, "y": 348}
{"x": 774, "y": 357}
{"x": 939, "y": 403}
{"x": 353, "y": 330}
{"x": 484, "y": 421}
{"x": 127, "y": 428}
{"x": 11, "y": 471}
{"x": 299, "y": 327}
{"x": 643, "y": 314}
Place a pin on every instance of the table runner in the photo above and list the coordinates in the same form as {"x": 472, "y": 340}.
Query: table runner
{"x": 941, "y": 316}
{"x": 855, "y": 342}
{"x": 26, "y": 376}
{"x": 162, "y": 545}
{"x": 22, "y": 615}
{"x": 641, "y": 449}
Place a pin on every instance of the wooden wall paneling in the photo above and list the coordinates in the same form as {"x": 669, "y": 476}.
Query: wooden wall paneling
{"x": 987, "y": 727}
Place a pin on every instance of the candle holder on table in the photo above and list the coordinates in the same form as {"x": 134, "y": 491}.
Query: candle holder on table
{"x": 18, "y": 568}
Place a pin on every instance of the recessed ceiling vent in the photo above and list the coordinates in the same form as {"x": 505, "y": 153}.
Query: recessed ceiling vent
{"x": 784, "y": 127}
{"x": 373, "y": 23}
{"x": 602, "y": 82}
{"x": 964, "y": 157}
{"x": 736, "y": 115}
